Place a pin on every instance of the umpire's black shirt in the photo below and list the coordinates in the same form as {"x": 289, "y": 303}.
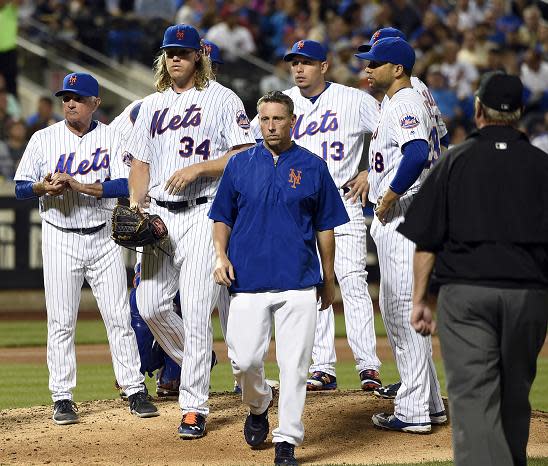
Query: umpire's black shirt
{"x": 483, "y": 211}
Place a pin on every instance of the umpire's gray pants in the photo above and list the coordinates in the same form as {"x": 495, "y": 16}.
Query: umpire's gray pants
{"x": 490, "y": 339}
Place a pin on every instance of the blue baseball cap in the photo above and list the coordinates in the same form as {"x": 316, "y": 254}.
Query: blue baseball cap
{"x": 213, "y": 51}
{"x": 80, "y": 83}
{"x": 391, "y": 50}
{"x": 381, "y": 34}
{"x": 307, "y": 48}
{"x": 183, "y": 36}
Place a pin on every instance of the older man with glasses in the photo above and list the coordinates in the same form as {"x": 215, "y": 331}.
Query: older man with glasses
{"x": 75, "y": 201}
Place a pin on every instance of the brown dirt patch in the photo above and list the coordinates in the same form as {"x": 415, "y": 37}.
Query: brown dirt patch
{"x": 338, "y": 430}
{"x": 101, "y": 353}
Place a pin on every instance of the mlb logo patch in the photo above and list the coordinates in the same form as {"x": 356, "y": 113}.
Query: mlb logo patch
{"x": 242, "y": 120}
{"x": 409, "y": 122}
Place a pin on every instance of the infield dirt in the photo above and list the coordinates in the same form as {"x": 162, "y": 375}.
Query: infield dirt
{"x": 338, "y": 431}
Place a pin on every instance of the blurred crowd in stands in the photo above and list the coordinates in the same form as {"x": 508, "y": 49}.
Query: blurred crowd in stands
{"x": 455, "y": 42}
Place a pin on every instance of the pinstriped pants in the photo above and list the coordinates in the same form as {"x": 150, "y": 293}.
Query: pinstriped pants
{"x": 350, "y": 263}
{"x": 68, "y": 259}
{"x": 419, "y": 394}
{"x": 187, "y": 339}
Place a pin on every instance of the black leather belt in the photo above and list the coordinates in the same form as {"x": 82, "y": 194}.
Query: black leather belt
{"x": 174, "y": 206}
{"x": 81, "y": 231}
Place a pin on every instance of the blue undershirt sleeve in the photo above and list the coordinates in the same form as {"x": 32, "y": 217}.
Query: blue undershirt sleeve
{"x": 445, "y": 141}
{"x": 415, "y": 157}
{"x": 115, "y": 188}
{"x": 23, "y": 190}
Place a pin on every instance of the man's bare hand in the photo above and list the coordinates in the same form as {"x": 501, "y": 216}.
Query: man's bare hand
{"x": 326, "y": 293}
{"x": 52, "y": 188}
{"x": 359, "y": 188}
{"x": 384, "y": 204}
{"x": 61, "y": 178}
{"x": 422, "y": 319}
{"x": 224, "y": 272}
{"x": 182, "y": 178}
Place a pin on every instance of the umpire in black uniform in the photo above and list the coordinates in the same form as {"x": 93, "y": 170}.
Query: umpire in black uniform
{"x": 480, "y": 221}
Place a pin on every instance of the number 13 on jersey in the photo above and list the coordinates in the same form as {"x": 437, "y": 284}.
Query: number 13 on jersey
{"x": 335, "y": 150}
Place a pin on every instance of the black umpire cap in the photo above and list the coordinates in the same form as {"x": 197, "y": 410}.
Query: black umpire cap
{"x": 500, "y": 91}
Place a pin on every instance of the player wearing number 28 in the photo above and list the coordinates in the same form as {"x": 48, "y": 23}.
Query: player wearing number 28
{"x": 331, "y": 121}
{"x": 399, "y": 155}
{"x": 181, "y": 141}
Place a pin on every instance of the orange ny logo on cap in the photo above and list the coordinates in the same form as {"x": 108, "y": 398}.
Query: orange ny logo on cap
{"x": 207, "y": 49}
{"x": 376, "y": 36}
{"x": 294, "y": 178}
{"x": 300, "y": 45}
{"x": 180, "y": 34}
{"x": 73, "y": 79}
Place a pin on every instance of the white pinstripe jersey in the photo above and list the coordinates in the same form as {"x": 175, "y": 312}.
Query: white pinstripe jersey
{"x": 405, "y": 117}
{"x": 124, "y": 122}
{"x": 430, "y": 103}
{"x": 333, "y": 127}
{"x": 422, "y": 89}
{"x": 96, "y": 156}
{"x": 174, "y": 131}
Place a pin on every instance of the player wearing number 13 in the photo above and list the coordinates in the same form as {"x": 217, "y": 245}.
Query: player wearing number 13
{"x": 399, "y": 154}
{"x": 331, "y": 122}
{"x": 180, "y": 143}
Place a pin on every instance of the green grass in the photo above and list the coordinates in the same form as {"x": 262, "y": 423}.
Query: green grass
{"x": 95, "y": 382}
{"x": 34, "y": 332}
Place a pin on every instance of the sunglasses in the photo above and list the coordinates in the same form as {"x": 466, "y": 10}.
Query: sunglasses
{"x": 376, "y": 64}
{"x": 77, "y": 98}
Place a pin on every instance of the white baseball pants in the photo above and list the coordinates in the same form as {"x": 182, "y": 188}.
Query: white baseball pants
{"x": 248, "y": 337}
{"x": 68, "y": 259}
{"x": 188, "y": 339}
{"x": 419, "y": 394}
{"x": 350, "y": 262}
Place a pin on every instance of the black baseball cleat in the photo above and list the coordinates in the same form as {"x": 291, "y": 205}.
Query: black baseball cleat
{"x": 64, "y": 412}
{"x": 256, "y": 428}
{"x": 285, "y": 454}
{"x": 388, "y": 391}
{"x": 140, "y": 405}
{"x": 193, "y": 425}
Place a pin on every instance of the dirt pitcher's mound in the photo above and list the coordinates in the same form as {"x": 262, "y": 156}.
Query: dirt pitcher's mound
{"x": 338, "y": 430}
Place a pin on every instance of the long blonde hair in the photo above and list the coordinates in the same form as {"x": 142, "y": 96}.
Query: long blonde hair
{"x": 202, "y": 75}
